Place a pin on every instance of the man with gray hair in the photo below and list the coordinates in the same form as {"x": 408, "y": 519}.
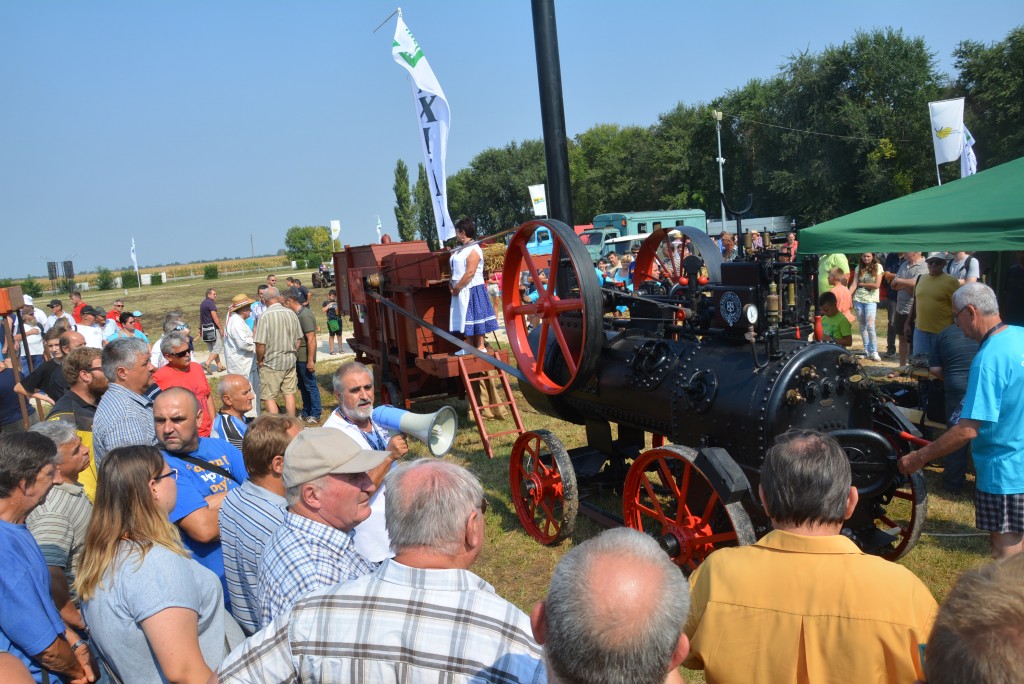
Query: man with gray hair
{"x": 182, "y": 371}
{"x": 124, "y": 416}
{"x": 978, "y": 635}
{"x": 173, "y": 322}
{"x": 328, "y": 494}
{"x": 421, "y": 616}
{"x": 615, "y": 612}
{"x": 804, "y": 603}
{"x": 990, "y": 419}
{"x": 277, "y": 338}
{"x": 59, "y": 524}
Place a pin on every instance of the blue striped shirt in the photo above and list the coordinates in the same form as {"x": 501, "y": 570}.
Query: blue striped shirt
{"x": 304, "y": 555}
{"x": 248, "y": 518}
{"x": 123, "y": 418}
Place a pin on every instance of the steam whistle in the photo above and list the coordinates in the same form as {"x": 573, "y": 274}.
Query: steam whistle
{"x": 772, "y": 305}
{"x": 436, "y": 430}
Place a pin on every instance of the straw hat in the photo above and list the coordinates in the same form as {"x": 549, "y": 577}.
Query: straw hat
{"x": 239, "y": 301}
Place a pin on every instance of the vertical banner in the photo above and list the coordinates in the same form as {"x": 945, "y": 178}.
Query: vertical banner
{"x": 539, "y": 200}
{"x": 433, "y": 117}
{"x": 379, "y": 236}
{"x": 947, "y": 129}
{"x": 135, "y": 263}
{"x": 968, "y": 162}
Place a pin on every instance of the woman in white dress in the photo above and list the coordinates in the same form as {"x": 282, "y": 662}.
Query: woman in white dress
{"x": 239, "y": 345}
{"x": 471, "y": 311}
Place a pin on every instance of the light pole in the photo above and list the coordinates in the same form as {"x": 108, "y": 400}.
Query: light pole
{"x": 721, "y": 162}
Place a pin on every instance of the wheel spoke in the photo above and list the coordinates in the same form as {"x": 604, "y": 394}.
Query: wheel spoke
{"x": 669, "y": 480}
{"x": 721, "y": 537}
{"x": 712, "y": 500}
{"x": 660, "y": 513}
{"x": 569, "y": 359}
{"x": 523, "y": 309}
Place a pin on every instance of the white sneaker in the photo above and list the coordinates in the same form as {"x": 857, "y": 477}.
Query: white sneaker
{"x": 875, "y": 357}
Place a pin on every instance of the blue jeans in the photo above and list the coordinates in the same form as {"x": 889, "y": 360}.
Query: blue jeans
{"x": 924, "y": 342}
{"x": 37, "y": 360}
{"x": 309, "y": 390}
{"x": 866, "y": 320}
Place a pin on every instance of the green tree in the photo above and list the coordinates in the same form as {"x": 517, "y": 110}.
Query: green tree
{"x": 493, "y": 188}
{"x": 104, "y": 278}
{"x": 405, "y": 213}
{"x": 992, "y": 80}
{"x": 424, "y": 210}
{"x": 31, "y": 287}
{"x": 308, "y": 243}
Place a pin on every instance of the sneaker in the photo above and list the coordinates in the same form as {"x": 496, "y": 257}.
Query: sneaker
{"x": 310, "y": 420}
{"x": 889, "y": 355}
{"x": 875, "y": 357}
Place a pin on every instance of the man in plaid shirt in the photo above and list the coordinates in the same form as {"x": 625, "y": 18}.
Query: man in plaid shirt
{"x": 421, "y": 616}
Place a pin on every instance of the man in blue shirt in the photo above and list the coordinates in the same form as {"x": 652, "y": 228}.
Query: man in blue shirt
{"x": 207, "y": 470}
{"x": 991, "y": 419}
{"x": 30, "y": 626}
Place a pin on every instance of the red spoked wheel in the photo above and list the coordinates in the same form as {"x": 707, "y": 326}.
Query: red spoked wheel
{"x": 902, "y": 512}
{"x": 668, "y": 497}
{"x": 656, "y": 261}
{"x": 564, "y": 352}
{"x": 543, "y": 486}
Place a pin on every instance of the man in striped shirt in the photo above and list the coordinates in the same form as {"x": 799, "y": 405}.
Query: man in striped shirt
{"x": 251, "y": 513}
{"x": 124, "y": 416}
{"x": 277, "y": 339}
{"x": 328, "y": 492}
{"x": 421, "y": 617}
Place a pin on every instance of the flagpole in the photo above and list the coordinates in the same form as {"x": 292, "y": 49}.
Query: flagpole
{"x": 937, "y": 174}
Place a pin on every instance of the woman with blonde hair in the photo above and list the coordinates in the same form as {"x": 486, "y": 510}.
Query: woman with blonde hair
{"x": 155, "y": 614}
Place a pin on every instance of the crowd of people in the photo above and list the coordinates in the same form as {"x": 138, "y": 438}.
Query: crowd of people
{"x": 154, "y": 530}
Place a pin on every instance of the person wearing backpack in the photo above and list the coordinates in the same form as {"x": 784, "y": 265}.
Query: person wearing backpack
{"x": 964, "y": 268}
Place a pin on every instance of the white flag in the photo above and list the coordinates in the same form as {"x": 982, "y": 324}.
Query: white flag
{"x": 433, "y": 118}
{"x": 539, "y": 199}
{"x": 335, "y": 229}
{"x": 378, "y": 229}
{"x": 947, "y": 129}
{"x": 968, "y": 162}
{"x": 135, "y": 263}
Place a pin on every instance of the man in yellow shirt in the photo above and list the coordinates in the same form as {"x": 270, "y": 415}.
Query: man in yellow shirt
{"x": 804, "y": 604}
{"x": 932, "y": 310}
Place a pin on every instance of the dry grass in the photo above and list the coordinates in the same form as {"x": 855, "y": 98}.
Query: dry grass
{"x": 514, "y": 563}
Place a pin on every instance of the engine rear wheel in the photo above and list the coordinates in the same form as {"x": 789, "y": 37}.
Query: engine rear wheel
{"x": 543, "y": 486}
{"x": 667, "y": 496}
{"x": 565, "y": 351}
{"x": 902, "y": 513}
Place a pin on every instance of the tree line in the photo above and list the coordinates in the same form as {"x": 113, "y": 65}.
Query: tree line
{"x": 830, "y": 133}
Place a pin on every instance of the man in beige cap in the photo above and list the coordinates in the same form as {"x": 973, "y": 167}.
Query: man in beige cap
{"x": 328, "y": 493}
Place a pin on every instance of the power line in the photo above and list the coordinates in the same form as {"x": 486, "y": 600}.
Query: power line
{"x": 806, "y": 132}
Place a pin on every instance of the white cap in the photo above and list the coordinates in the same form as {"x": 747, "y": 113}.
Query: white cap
{"x": 29, "y": 301}
{"x": 936, "y": 255}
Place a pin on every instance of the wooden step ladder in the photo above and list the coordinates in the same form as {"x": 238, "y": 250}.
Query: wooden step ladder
{"x": 493, "y": 377}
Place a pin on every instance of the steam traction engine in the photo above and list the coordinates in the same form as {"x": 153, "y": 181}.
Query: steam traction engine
{"x": 716, "y": 359}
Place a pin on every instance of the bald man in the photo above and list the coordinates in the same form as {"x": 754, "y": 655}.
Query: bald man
{"x": 207, "y": 470}
{"x": 236, "y": 398}
{"x": 614, "y": 613}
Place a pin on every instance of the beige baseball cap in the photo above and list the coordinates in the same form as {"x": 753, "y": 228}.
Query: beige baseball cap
{"x": 322, "y": 451}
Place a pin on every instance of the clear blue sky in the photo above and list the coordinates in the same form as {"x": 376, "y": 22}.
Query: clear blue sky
{"x": 193, "y": 125}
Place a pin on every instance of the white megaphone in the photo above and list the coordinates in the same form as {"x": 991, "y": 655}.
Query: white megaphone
{"x": 436, "y": 430}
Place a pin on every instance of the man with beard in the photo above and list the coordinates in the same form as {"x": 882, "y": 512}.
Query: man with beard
{"x": 353, "y": 388}
{"x": 83, "y": 371}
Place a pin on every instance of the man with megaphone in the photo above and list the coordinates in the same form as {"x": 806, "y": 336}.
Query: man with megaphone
{"x": 353, "y": 388}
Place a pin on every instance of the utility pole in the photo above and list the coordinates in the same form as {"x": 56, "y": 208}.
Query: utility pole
{"x": 721, "y": 162}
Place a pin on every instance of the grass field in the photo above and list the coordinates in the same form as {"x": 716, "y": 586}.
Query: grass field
{"x": 514, "y": 563}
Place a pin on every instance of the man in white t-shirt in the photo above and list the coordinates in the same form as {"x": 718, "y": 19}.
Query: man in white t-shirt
{"x": 964, "y": 267}
{"x": 353, "y": 388}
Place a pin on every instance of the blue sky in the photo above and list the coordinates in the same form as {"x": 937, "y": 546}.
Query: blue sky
{"x": 195, "y": 125}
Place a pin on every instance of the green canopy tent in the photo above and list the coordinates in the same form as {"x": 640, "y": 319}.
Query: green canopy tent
{"x": 980, "y": 213}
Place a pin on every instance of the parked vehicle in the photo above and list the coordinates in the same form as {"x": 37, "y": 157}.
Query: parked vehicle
{"x": 613, "y": 225}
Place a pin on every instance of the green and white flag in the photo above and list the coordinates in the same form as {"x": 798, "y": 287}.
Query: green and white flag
{"x": 433, "y": 118}
{"x": 968, "y": 162}
{"x": 947, "y": 129}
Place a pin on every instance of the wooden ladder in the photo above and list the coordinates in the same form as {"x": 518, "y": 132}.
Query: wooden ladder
{"x": 474, "y": 379}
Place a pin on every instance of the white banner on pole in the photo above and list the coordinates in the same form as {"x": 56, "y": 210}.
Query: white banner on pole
{"x": 968, "y": 162}
{"x": 135, "y": 263}
{"x": 947, "y": 129}
{"x": 379, "y": 227}
{"x": 335, "y": 229}
{"x": 539, "y": 200}
{"x": 433, "y": 117}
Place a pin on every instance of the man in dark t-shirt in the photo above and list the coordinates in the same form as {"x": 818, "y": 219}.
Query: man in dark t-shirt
{"x": 950, "y": 361}
{"x": 211, "y": 329}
